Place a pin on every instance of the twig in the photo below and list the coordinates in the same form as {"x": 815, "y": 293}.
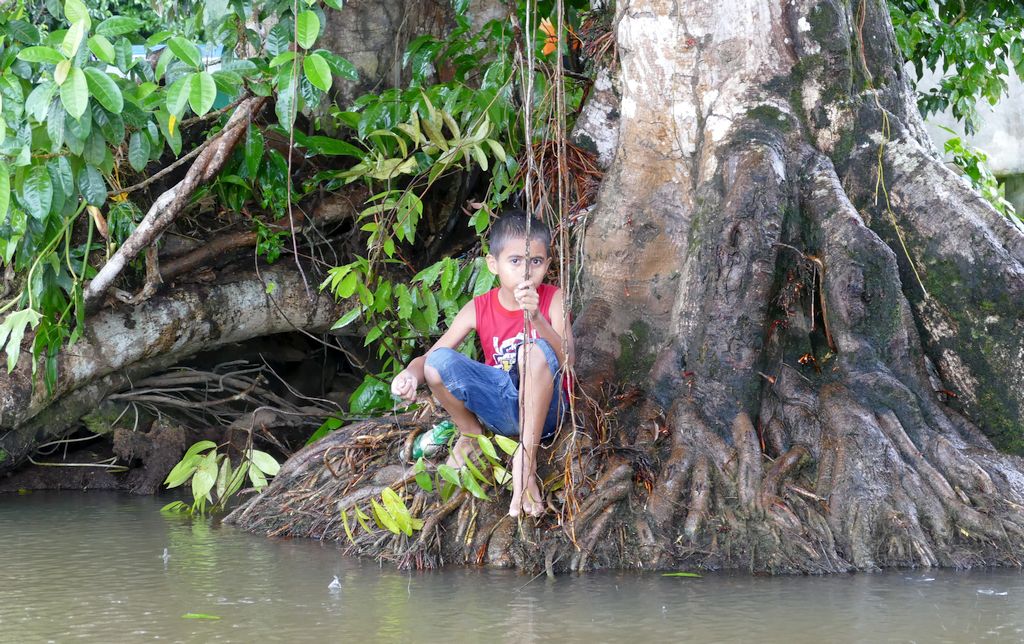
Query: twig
{"x": 169, "y": 205}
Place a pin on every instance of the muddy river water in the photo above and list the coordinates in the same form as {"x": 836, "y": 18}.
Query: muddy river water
{"x": 91, "y": 567}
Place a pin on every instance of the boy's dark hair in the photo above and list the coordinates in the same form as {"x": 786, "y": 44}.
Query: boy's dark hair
{"x": 511, "y": 225}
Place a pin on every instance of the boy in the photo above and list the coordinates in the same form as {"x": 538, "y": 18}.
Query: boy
{"x": 475, "y": 393}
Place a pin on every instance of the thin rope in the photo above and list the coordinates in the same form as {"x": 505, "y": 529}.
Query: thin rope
{"x": 527, "y": 98}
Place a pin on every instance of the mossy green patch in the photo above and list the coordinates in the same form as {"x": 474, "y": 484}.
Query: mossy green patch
{"x": 634, "y": 361}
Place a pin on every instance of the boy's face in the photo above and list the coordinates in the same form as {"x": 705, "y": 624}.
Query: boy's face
{"x": 510, "y": 264}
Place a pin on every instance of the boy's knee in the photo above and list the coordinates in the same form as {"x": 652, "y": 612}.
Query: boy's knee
{"x": 539, "y": 354}
{"x": 436, "y": 365}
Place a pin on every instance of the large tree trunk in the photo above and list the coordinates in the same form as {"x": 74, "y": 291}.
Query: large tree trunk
{"x": 781, "y": 391}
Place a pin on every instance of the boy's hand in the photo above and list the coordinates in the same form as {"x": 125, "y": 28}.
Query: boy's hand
{"x": 527, "y": 298}
{"x": 404, "y": 386}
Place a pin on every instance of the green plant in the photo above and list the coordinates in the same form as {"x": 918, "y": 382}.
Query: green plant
{"x": 214, "y": 479}
{"x": 973, "y": 43}
{"x": 974, "y": 164}
{"x": 78, "y": 114}
{"x": 391, "y": 512}
{"x": 269, "y": 241}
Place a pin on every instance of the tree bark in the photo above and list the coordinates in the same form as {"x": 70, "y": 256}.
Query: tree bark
{"x": 121, "y": 346}
{"x": 777, "y": 391}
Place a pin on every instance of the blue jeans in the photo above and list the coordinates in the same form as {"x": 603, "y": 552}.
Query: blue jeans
{"x": 493, "y": 394}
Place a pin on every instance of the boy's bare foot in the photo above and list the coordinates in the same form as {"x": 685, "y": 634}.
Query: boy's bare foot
{"x": 461, "y": 450}
{"x": 530, "y": 503}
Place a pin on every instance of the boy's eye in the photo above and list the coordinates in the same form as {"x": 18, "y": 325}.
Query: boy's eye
{"x": 536, "y": 261}
{"x": 514, "y": 260}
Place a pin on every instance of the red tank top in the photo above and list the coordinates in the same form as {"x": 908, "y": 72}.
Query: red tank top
{"x": 501, "y": 330}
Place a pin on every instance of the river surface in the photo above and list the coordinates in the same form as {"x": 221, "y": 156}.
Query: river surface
{"x": 89, "y": 567}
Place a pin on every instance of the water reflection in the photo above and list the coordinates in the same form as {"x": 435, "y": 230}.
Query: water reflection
{"x": 90, "y": 567}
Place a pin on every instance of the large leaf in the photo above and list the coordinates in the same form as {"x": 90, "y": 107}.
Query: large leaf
{"x": 104, "y": 90}
{"x": 60, "y": 73}
{"x": 92, "y": 186}
{"x": 265, "y": 462}
{"x": 307, "y": 28}
{"x": 23, "y": 31}
{"x": 138, "y": 151}
{"x": 103, "y": 49}
{"x": 178, "y": 95}
{"x": 12, "y": 330}
{"x": 202, "y": 92}
{"x": 37, "y": 105}
{"x": 76, "y": 11}
{"x": 37, "y": 192}
{"x": 74, "y": 93}
{"x": 186, "y": 51}
{"x": 253, "y": 150}
{"x": 5, "y": 190}
{"x": 333, "y": 147}
{"x": 73, "y": 39}
{"x": 205, "y": 477}
{"x": 285, "y": 105}
{"x": 318, "y": 71}
{"x": 118, "y": 26}
{"x": 40, "y": 55}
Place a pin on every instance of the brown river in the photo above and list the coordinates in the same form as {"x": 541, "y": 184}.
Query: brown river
{"x": 102, "y": 567}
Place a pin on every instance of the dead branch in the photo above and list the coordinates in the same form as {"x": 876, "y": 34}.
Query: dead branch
{"x": 169, "y": 205}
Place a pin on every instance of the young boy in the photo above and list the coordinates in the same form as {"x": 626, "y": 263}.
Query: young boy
{"x": 488, "y": 394}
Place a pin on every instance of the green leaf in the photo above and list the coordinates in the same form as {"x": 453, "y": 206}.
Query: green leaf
{"x": 397, "y": 509}
{"x": 174, "y": 506}
{"x": 470, "y": 484}
{"x": 258, "y": 480}
{"x": 37, "y": 105}
{"x": 318, "y": 71}
{"x": 162, "y": 62}
{"x": 92, "y": 186}
{"x": 205, "y": 476}
{"x": 285, "y": 105}
{"x": 138, "y": 151}
{"x": 23, "y": 31}
{"x": 199, "y": 616}
{"x": 680, "y": 574}
{"x": 506, "y": 444}
{"x": 186, "y": 51}
{"x": 307, "y": 28}
{"x": 5, "y": 190}
{"x": 40, "y": 55}
{"x": 118, "y": 26}
{"x": 37, "y": 192}
{"x": 253, "y": 150}
{"x": 158, "y": 38}
{"x": 422, "y": 478}
{"x": 178, "y": 95}
{"x": 281, "y": 59}
{"x": 104, "y": 90}
{"x": 347, "y": 319}
{"x": 449, "y": 474}
{"x": 265, "y": 462}
{"x": 76, "y": 11}
{"x": 103, "y": 49}
{"x": 74, "y": 93}
{"x": 73, "y": 39}
{"x": 340, "y": 66}
{"x": 13, "y": 330}
{"x": 202, "y": 93}
{"x": 223, "y": 476}
{"x": 328, "y": 146}
{"x": 384, "y": 519}
{"x": 487, "y": 446}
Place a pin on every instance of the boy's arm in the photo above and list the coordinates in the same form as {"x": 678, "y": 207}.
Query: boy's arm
{"x": 556, "y": 331}
{"x": 409, "y": 379}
